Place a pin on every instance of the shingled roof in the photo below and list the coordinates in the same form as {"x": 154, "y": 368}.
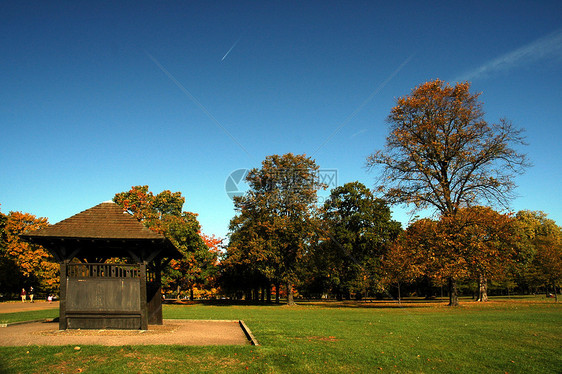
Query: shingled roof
{"x": 102, "y": 231}
{"x": 103, "y": 221}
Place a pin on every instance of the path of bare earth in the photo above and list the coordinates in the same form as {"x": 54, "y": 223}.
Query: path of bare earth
{"x": 172, "y": 332}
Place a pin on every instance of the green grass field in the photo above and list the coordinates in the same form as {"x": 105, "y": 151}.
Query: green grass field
{"x": 513, "y": 336}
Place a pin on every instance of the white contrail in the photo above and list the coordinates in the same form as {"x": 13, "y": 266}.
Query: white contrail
{"x": 542, "y": 48}
{"x": 231, "y": 48}
{"x": 358, "y": 133}
{"x": 194, "y": 99}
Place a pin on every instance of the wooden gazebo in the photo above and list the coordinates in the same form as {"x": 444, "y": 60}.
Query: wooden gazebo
{"x": 95, "y": 294}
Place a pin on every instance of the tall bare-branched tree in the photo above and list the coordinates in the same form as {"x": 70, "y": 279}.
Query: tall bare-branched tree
{"x": 442, "y": 154}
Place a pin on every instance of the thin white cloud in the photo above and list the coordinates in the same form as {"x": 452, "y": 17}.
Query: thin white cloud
{"x": 358, "y": 133}
{"x": 549, "y": 46}
{"x": 231, "y": 48}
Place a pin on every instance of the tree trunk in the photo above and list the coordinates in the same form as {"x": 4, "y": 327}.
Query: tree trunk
{"x": 482, "y": 288}
{"x": 479, "y": 298}
{"x": 268, "y": 295}
{"x": 399, "y": 300}
{"x": 453, "y": 294}
{"x": 555, "y": 292}
{"x": 178, "y": 289}
{"x": 277, "y": 293}
{"x": 191, "y": 293}
{"x": 290, "y": 300}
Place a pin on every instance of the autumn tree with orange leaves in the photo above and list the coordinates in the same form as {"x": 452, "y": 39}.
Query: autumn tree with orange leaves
{"x": 442, "y": 154}
{"x": 23, "y": 264}
{"x": 481, "y": 243}
{"x": 163, "y": 213}
{"x": 478, "y": 243}
{"x": 405, "y": 261}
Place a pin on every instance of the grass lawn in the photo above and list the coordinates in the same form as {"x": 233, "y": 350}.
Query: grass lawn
{"x": 28, "y": 316}
{"x": 521, "y": 335}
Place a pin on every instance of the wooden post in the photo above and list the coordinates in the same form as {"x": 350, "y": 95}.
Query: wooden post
{"x": 143, "y": 301}
{"x": 154, "y": 297}
{"x": 158, "y": 295}
{"x": 62, "y": 306}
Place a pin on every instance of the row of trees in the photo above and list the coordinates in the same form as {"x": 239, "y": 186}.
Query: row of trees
{"x": 479, "y": 244}
{"x": 352, "y": 247}
{"x": 440, "y": 153}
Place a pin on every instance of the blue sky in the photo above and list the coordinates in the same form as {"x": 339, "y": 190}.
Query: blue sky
{"x": 99, "y": 96}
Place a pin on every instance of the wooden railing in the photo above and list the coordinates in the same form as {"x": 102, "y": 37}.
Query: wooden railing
{"x": 91, "y": 270}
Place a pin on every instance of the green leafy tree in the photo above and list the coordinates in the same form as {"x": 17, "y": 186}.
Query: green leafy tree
{"x": 251, "y": 261}
{"x": 541, "y": 245}
{"x": 442, "y": 154}
{"x": 280, "y": 205}
{"x": 359, "y": 230}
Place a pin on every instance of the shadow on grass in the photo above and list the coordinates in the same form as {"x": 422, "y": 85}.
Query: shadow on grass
{"x": 222, "y": 302}
{"x": 380, "y": 304}
{"x": 409, "y": 302}
{"x": 368, "y": 304}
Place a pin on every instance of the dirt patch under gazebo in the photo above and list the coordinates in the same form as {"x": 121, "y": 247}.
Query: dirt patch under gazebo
{"x": 172, "y": 332}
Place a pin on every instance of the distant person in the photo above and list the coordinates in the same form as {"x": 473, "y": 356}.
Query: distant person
{"x": 50, "y": 298}
{"x": 31, "y": 293}
{"x": 23, "y": 295}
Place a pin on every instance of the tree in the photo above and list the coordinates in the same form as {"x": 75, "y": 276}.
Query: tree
{"x": 149, "y": 209}
{"x": 549, "y": 260}
{"x": 163, "y": 213}
{"x": 542, "y": 247}
{"x": 485, "y": 241}
{"x": 208, "y": 261}
{"x": 21, "y": 262}
{"x": 279, "y": 208}
{"x": 476, "y": 243}
{"x": 11, "y": 279}
{"x": 442, "y": 154}
{"x": 251, "y": 260}
{"x": 197, "y": 267}
{"x": 417, "y": 253}
{"x": 359, "y": 229}
{"x": 403, "y": 262}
